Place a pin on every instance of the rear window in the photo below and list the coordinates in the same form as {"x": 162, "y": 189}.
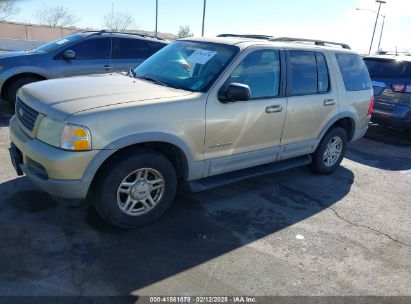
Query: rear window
{"x": 354, "y": 72}
{"x": 388, "y": 68}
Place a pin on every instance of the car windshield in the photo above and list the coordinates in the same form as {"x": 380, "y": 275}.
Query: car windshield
{"x": 54, "y": 45}
{"x": 187, "y": 65}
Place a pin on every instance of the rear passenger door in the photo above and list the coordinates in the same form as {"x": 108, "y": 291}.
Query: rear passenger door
{"x": 129, "y": 53}
{"x": 312, "y": 100}
{"x": 92, "y": 57}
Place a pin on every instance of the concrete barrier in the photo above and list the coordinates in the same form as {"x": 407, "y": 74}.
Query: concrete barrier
{"x": 18, "y": 45}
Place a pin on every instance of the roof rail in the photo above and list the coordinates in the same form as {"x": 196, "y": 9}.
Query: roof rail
{"x": 316, "y": 42}
{"x": 395, "y": 53}
{"x": 265, "y": 37}
{"x": 116, "y": 32}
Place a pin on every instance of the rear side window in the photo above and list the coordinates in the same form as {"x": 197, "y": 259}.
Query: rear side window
{"x": 307, "y": 73}
{"x": 354, "y": 72}
{"x": 388, "y": 68}
{"x": 130, "y": 49}
{"x": 99, "y": 48}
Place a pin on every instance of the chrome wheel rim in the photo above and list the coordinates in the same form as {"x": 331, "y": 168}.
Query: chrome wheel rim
{"x": 333, "y": 151}
{"x": 140, "y": 192}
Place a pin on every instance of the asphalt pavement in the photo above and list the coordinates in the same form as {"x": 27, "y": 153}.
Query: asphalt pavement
{"x": 293, "y": 233}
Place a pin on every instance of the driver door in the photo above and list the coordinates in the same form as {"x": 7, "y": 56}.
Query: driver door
{"x": 243, "y": 134}
{"x": 93, "y": 56}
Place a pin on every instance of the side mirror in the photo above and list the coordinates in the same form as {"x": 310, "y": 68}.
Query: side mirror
{"x": 69, "y": 54}
{"x": 235, "y": 92}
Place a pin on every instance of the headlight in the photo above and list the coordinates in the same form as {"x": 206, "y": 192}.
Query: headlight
{"x": 49, "y": 131}
{"x": 75, "y": 138}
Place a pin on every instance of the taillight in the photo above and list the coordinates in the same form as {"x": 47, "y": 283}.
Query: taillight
{"x": 371, "y": 106}
{"x": 401, "y": 88}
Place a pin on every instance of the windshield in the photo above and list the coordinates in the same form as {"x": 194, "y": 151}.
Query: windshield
{"x": 54, "y": 45}
{"x": 187, "y": 65}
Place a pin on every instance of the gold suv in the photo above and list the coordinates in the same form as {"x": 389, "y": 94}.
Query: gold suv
{"x": 199, "y": 113}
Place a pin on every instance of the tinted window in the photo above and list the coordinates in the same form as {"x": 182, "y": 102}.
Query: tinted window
{"x": 302, "y": 73}
{"x": 130, "y": 48}
{"x": 99, "y": 48}
{"x": 156, "y": 46}
{"x": 354, "y": 72}
{"x": 323, "y": 76}
{"x": 260, "y": 70}
{"x": 383, "y": 68}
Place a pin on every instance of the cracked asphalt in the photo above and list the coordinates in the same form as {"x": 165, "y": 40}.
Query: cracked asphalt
{"x": 293, "y": 233}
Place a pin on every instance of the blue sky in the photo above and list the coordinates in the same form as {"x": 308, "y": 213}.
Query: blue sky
{"x": 323, "y": 19}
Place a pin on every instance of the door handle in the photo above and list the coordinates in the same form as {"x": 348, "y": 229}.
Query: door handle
{"x": 274, "y": 109}
{"x": 329, "y": 102}
{"x": 108, "y": 67}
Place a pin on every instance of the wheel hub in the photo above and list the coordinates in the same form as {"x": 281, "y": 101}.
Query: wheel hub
{"x": 140, "y": 191}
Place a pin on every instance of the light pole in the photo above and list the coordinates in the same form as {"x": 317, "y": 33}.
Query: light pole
{"x": 376, "y": 20}
{"x": 155, "y": 32}
{"x": 382, "y": 28}
{"x": 204, "y": 11}
{"x": 383, "y": 22}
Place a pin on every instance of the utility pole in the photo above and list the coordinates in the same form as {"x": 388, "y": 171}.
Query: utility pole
{"x": 156, "y": 31}
{"x": 204, "y": 11}
{"x": 376, "y": 21}
{"x": 382, "y": 28}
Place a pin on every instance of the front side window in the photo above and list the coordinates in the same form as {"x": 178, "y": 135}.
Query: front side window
{"x": 187, "y": 65}
{"x": 260, "y": 70}
{"x": 98, "y": 48}
{"x": 354, "y": 72}
{"x": 124, "y": 48}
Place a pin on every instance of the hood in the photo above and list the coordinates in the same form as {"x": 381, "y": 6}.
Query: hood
{"x": 14, "y": 54}
{"x": 62, "y": 97}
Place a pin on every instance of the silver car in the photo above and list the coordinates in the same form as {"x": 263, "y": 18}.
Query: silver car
{"x": 78, "y": 54}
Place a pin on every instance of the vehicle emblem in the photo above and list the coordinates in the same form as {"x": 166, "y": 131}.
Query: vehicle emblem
{"x": 21, "y": 112}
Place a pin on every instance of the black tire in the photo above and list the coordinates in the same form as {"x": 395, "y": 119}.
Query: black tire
{"x": 15, "y": 86}
{"x": 107, "y": 185}
{"x": 318, "y": 164}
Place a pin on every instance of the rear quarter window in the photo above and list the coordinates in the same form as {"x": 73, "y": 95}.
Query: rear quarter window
{"x": 354, "y": 72}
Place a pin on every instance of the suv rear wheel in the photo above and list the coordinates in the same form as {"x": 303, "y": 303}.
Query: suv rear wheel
{"x": 15, "y": 86}
{"x": 330, "y": 151}
{"x": 135, "y": 190}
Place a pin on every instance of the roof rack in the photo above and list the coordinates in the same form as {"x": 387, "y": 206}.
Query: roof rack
{"x": 115, "y": 32}
{"x": 316, "y": 42}
{"x": 265, "y": 37}
{"x": 394, "y": 53}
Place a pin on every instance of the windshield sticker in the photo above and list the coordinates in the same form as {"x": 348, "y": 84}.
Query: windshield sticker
{"x": 201, "y": 56}
{"x": 62, "y": 41}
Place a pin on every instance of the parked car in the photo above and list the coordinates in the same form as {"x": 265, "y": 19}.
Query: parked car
{"x": 239, "y": 108}
{"x": 391, "y": 76}
{"x": 78, "y": 54}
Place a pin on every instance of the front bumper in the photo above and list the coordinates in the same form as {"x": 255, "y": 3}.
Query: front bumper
{"x": 57, "y": 172}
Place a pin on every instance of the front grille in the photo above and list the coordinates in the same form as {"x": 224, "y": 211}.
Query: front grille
{"x": 26, "y": 115}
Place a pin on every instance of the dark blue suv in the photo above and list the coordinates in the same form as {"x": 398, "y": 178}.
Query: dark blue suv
{"x": 391, "y": 76}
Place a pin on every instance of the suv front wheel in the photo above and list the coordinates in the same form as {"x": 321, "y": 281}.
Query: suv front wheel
{"x": 136, "y": 189}
{"x": 330, "y": 152}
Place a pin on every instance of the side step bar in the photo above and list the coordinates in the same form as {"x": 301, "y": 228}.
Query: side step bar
{"x": 232, "y": 177}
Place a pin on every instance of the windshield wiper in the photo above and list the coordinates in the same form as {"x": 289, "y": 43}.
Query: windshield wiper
{"x": 151, "y": 80}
